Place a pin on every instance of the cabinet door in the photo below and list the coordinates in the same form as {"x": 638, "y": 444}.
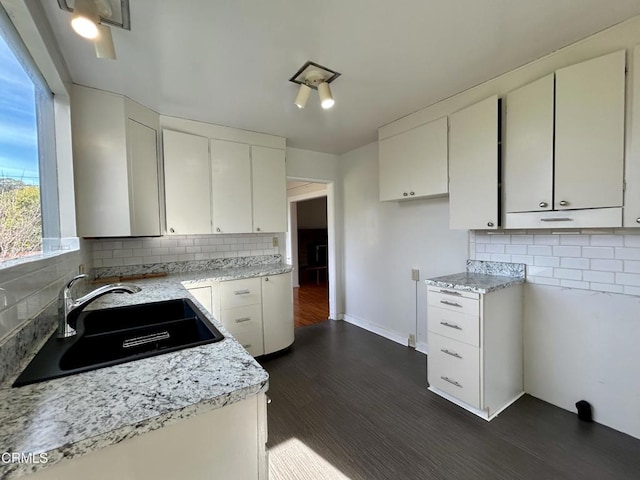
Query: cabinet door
{"x": 277, "y": 312}
{"x": 231, "y": 187}
{"x": 203, "y": 295}
{"x": 590, "y": 133}
{"x": 269, "y": 189}
{"x": 632, "y": 164}
{"x": 528, "y": 162}
{"x": 187, "y": 183}
{"x": 392, "y": 161}
{"x": 142, "y": 145}
{"x": 473, "y": 166}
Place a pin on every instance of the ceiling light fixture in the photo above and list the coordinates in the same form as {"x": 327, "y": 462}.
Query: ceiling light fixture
{"x": 314, "y": 76}
{"x": 91, "y": 19}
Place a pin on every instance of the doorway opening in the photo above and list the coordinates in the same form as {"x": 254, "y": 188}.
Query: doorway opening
{"x": 308, "y": 249}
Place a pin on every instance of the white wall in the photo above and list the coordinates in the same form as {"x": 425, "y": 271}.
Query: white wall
{"x": 383, "y": 241}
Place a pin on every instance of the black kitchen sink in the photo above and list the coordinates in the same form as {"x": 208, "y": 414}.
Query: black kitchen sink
{"x": 118, "y": 335}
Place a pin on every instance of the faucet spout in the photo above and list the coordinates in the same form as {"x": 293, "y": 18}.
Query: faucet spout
{"x": 69, "y": 309}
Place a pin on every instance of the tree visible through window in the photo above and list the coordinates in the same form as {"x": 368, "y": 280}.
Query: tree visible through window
{"x": 20, "y": 207}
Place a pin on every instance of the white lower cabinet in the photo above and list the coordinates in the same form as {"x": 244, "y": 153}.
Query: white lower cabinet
{"x": 229, "y": 442}
{"x": 257, "y": 311}
{"x": 475, "y": 348}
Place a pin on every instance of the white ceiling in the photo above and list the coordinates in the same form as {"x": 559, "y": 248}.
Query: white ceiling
{"x": 228, "y": 61}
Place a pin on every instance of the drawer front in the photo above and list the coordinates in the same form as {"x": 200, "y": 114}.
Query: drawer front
{"x": 251, "y": 341}
{"x": 239, "y": 293}
{"x": 454, "y": 367}
{"x": 470, "y": 306}
{"x": 453, "y": 293}
{"x": 242, "y": 319}
{"x": 455, "y": 325}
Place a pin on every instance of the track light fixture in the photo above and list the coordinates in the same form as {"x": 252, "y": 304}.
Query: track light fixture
{"x": 313, "y": 76}
{"x": 91, "y": 18}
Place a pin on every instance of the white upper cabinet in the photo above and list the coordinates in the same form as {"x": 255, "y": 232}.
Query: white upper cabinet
{"x": 413, "y": 164}
{"x": 473, "y": 166}
{"x": 632, "y": 167}
{"x": 589, "y": 149}
{"x": 115, "y": 155}
{"x": 187, "y": 174}
{"x": 528, "y": 161}
{"x": 231, "y": 186}
{"x": 269, "y": 183}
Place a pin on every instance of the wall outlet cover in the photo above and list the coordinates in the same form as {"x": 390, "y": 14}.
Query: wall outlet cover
{"x": 415, "y": 274}
{"x": 275, "y": 241}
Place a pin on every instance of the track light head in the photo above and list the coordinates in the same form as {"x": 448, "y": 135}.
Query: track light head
{"x": 303, "y": 95}
{"x": 326, "y": 99}
{"x": 314, "y": 76}
{"x": 85, "y": 19}
{"x": 104, "y": 43}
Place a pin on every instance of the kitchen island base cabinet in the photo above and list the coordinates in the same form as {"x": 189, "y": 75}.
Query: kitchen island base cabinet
{"x": 229, "y": 442}
{"x": 475, "y": 350}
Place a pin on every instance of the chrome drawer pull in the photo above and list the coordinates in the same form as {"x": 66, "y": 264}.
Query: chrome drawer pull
{"x": 452, "y": 304}
{"x": 242, "y": 292}
{"x": 241, "y": 320}
{"x": 450, "y": 292}
{"x": 451, "y": 325}
{"x": 452, "y": 382}
{"x": 453, "y": 354}
{"x": 563, "y": 219}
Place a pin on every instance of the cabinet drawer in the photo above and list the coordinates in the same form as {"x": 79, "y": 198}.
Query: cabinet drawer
{"x": 239, "y": 293}
{"x": 455, "y": 303}
{"x": 251, "y": 341}
{"x": 242, "y": 319}
{"x": 453, "y": 293}
{"x": 454, "y": 367}
{"x": 455, "y": 325}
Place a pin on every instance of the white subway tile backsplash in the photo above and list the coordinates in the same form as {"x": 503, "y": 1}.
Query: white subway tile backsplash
{"x": 483, "y": 238}
{"x": 539, "y": 250}
{"x": 632, "y": 240}
{"x": 500, "y": 257}
{"x": 574, "y": 284}
{"x": 598, "y": 252}
{"x": 544, "y": 281}
{"x": 123, "y": 253}
{"x": 160, "y": 251}
{"x": 567, "y": 251}
{"x": 568, "y": 274}
{"x": 630, "y": 253}
{"x": 546, "y": 240}
{"x": 185, "y": 242}
{"x": 631, "y": 279}
{"x": 539, "y": 271}
{"x": 575, "y": 240}
{"x": 632, "y": 290}
{"x": 607, "y": 240}
{"x": 516, "y": 249}
{"x": 501, "y": 239}
{"x": 607, "y": 265}
{"x": 526, "y": 259}
{"x": 522, "y": 239}
{"x": 483, "y": 256}
{"x": 606, "y": 287}
{"x": 599, "y": 277}
{"x": 632, "y": 266}
{"x": 570, "y": 262}
{"x": 546, "y": 261}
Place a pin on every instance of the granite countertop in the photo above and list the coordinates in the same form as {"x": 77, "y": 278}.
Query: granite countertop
{"x": 482, "y": 277}
{"x": 74, "y": 415}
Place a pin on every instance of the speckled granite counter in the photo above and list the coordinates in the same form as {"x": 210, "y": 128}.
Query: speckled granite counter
{"x": 71, "y": 416}
{"x": 482, "y": 277}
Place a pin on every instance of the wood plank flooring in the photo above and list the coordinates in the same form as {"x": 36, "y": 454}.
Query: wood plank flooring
{"x": 310, "y": 304}
{"x": 348, "y": 404}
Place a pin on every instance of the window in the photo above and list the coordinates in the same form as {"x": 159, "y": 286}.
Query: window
{"x": 28, "y": 181}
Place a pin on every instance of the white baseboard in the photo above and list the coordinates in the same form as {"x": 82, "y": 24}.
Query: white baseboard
{"x": 383, "y": 332}
{"x": 422, "y": 347}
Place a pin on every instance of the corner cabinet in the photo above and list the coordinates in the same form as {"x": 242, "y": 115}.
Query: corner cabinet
{"x": 257, "y": 311}
{"x": 475, "y": 348}
{"x": 564, "y": 156}
{"x": 473, "y": 166}
{"x": 413, "y": 164}
{"x": 115, "y": 161}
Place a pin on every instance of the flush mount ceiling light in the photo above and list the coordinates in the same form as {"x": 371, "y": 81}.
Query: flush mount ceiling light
{"x": 91, "y": 19}
{"x": 312, "y": 76}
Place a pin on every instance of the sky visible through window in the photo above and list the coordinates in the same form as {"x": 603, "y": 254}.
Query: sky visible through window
{"x": 18, "y": 127}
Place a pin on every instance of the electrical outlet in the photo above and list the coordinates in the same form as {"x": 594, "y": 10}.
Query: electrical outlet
{"x": 415, "y": 274}
{"x": 412, "y": 340}
{"x": 275, "y": 241}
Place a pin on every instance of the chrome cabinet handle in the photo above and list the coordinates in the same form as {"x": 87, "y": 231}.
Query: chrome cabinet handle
{"x": 242, "y": 320}
{"x": 489, "y": 224}
{"x": 247, "y": 345}
{"x": 412, "y": 193}
{"x": 559, "y": 219}
{"x": 543, "y": 204}
{"x": 404, "y": 194}
{"x": 638, "y": 220}
{"x": 452, "y": 382}
{"x": 172, "y": 230}
{"x": 450, "y": 292}
{"x": 242, "y": 292}
{"x": 266, "y": 279}
{"x": 453, "y": 354}
{"x": 218, "y": 229}
{"x": 563, "y": 203}
{"x": 257, "y": 229}
{"x": 451, "y": 325}
{"x": 452, "y": 304}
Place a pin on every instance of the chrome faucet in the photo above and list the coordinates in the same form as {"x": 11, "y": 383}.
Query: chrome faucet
{"x": 69, "y": 309}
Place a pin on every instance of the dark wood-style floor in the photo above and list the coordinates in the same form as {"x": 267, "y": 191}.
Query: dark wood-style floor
{"x": 310, "y": 304}
{"x": 359, "y": 402}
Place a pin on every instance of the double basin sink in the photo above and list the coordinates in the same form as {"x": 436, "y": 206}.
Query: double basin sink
{"x": 122, "y": 334}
